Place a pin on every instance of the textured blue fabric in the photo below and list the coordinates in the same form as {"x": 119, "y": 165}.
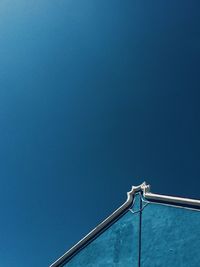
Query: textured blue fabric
{"x": 170, "y": 237}
{"x": 167, "y": 236}
{"x": 115, "y": 247}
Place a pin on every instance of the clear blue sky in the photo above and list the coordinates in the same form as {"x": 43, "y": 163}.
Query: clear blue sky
{"x": 95, "y": 96}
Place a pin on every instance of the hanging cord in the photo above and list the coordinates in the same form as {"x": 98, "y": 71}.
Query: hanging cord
{"x": 142, "y": 200}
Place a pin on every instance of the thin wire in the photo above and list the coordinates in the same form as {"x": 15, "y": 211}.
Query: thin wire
{"x": 142, "y": 206}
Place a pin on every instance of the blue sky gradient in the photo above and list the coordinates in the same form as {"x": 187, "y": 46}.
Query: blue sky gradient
{"x": 95, "y": 96}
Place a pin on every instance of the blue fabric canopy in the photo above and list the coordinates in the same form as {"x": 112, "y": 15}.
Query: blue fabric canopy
{"x": 147, "y": 233}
